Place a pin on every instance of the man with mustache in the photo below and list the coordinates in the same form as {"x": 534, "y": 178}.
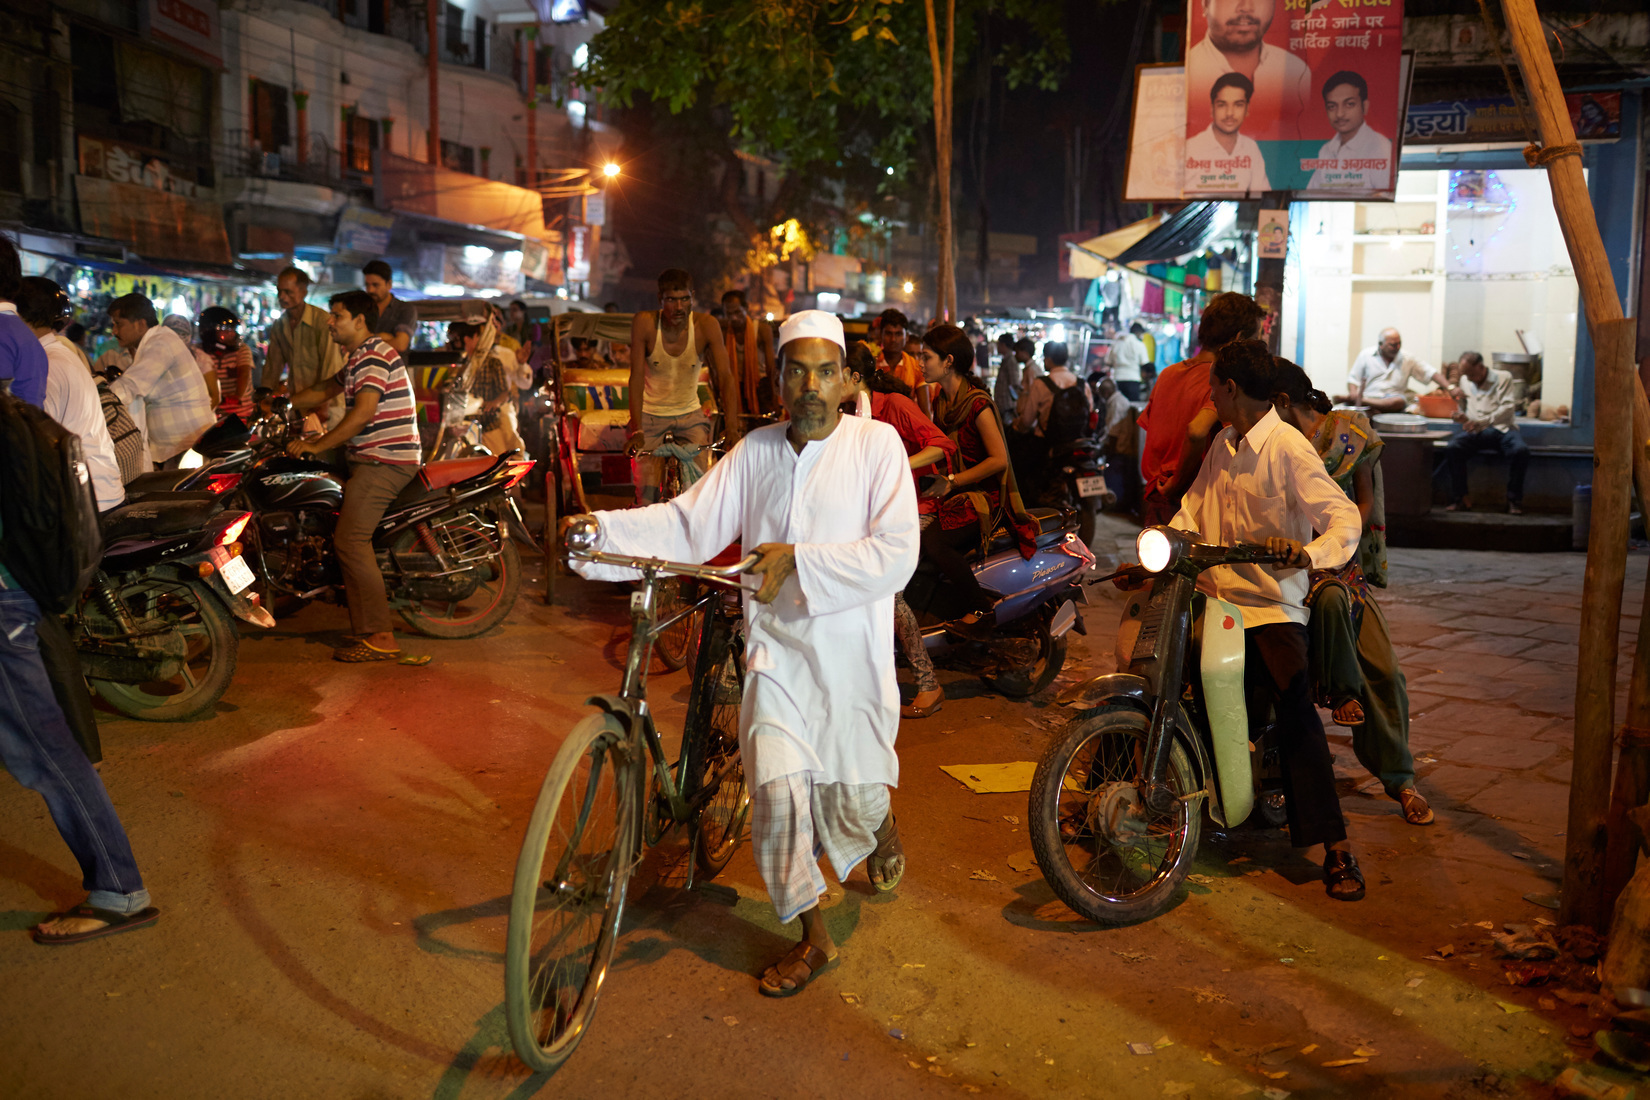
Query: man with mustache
{"x": 1234, "y": 43}
{"x": 828, "y": 502}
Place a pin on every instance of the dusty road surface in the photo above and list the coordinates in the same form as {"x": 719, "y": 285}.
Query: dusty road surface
{"x": 332, "y": 850}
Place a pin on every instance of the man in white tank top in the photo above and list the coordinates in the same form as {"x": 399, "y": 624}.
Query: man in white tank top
{"x": 668, "y": 349}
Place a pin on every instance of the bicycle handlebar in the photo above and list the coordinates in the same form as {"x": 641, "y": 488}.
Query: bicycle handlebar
{"x": 718, "y": 575}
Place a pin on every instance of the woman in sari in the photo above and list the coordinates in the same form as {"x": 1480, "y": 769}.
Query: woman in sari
{"x": 1353, "y": 665}
{"x": 982, "y": 492}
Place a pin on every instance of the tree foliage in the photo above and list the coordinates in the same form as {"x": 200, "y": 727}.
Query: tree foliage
{"x": 838, "y": 91}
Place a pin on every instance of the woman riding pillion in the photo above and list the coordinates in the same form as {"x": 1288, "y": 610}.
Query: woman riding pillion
{"x": 883, "y": 397}
{"x": 983, "y": 492}
{"x": 1354, "y": 667}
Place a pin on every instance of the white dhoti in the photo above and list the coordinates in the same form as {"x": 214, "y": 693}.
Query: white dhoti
{"x": 794, "y": 820}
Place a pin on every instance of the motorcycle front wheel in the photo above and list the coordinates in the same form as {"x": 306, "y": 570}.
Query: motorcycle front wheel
{"x": 210, "y": 642}
{"x": 1102, "y": 850}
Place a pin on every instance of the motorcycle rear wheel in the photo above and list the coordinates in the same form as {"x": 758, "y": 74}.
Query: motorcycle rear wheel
{"x": 1110, "y": 883}
{"x": 209, "y": 665}
{"x": 486, "y": 607}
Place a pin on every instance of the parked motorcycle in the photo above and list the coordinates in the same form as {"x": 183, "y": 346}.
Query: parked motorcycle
{"x": 154, "y": 630}
{"x": 1038, "y": 607}
{"x": 449, "y": 565}
{"x": 1117, "y": 801}
{"x": 1077, "y": 480}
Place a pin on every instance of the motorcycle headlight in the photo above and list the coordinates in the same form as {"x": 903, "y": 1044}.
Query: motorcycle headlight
{"x": 1159, "y": 548}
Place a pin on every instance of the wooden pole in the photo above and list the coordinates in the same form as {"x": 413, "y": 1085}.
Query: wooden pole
{"x": 945, "y": 295}
{"x": 432, "y": 22}
{"x": 1621, "y": 429}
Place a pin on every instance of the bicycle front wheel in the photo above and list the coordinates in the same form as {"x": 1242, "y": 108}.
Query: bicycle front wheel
{"x": 677, "y": 644}
{"x": 569, "y": 893}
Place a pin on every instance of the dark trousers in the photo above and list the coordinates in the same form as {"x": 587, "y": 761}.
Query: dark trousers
{"x": 1276, "y": 678}
{"x": 947, "y": 550}
{"x": 68, "y": 682}
{"x": 1463, "y": 445}
{"x": 1131, "y": 390}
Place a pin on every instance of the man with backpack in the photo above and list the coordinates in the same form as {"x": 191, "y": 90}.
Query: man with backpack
{"x": 1053, "y": 412}
{"x": 49, "y": 545}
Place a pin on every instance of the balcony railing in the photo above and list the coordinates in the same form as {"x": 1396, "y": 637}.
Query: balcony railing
{"x": 240, "y": 154}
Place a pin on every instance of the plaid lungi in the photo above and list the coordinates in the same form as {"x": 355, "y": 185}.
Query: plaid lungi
{"x": 794, "y": 820}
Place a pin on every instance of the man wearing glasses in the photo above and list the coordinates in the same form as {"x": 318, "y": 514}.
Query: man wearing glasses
{"x": 668, "y": 349}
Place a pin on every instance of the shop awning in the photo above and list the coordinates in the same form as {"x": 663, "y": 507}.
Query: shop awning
{"x": 1185, "y": 232}
{"x": 1085, "y": 257}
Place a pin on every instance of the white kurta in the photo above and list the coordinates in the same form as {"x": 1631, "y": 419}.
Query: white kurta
{"x": 820, "y": 695}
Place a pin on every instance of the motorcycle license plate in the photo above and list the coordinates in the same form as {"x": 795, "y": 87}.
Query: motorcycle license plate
{"x": 1091, "y": 486}
{"x": 236, "y": 574}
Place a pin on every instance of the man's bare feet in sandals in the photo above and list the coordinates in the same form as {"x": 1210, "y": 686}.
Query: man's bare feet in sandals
{"x": 886, "y": 865}
{"x": 802, "y": 963}
{"x": 1416, "y": 810}
{"x": 1349, "y": 713}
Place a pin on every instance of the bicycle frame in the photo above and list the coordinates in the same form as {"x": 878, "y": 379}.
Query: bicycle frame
{"x": 645, "y": 630}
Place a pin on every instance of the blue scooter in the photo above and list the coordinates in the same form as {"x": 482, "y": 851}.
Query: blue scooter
{"x": 1038, "y": 606}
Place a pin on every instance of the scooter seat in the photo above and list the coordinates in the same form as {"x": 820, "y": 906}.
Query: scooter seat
{"x": 1051, "y": 528}
{"x": 159, "y": 515}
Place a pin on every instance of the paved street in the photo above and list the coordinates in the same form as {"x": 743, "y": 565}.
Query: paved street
{"x": 332, "y": 852}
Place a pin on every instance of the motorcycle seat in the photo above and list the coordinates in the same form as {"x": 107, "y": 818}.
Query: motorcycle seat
{"x": 159, "y": 515}
{"x": 156, "y": 481}
{"x": 439, "y": 475}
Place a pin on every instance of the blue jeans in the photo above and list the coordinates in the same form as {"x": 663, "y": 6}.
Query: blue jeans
{"x": 38, "y": 749}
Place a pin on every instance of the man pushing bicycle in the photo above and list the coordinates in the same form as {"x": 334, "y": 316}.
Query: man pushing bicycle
{"x": 828, "y": 503}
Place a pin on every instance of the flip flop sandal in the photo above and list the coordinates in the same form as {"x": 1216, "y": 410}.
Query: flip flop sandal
{"x": 809, "y": 956}
{"x": 1349, "y": 722}
{"x": 1416, "y": 810}
{"x": 887, "y": 851}
{"x": 115, "y": 923}
{"x": 1340, "y": 868}
{"x": 361, "y": 651}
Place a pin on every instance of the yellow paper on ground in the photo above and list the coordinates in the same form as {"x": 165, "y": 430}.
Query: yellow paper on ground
{"x": 993, "y": 778}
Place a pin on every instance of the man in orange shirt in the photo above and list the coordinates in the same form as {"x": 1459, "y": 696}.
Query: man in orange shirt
{"x": 1180, "y": 419}
{"x": 893, "y": 358}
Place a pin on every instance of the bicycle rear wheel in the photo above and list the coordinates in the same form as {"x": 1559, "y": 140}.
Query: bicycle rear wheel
{"x": 569, "y": 893}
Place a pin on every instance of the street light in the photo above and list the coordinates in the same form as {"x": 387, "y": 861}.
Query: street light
{"x": 572, "y": 183}
{"x": 908, "y": 286}
{"x": 610, "y": 170}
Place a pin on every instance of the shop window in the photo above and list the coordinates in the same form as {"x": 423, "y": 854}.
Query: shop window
{"x": 360, "y": 139}
{"x": 459, "y": 158}
{"x": 270, "y": 130}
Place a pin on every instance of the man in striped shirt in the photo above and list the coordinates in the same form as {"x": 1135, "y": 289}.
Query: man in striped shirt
{"x": 381, "y": 431}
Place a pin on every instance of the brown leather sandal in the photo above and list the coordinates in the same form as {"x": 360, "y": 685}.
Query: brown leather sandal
{"x": 801, "y": 965}
{"x": 1341, "y": 877}
{"x": 889, "y": 856}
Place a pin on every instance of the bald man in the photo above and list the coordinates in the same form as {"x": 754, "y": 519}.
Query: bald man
{"x": 1380, "y": 375}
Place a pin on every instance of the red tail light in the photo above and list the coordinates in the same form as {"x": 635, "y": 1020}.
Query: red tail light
{"x": 222, "y": 483}
{"x": 518, "y": 473}
{"x": 232, "y": 529}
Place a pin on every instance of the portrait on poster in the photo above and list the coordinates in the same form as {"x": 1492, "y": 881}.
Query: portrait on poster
{"x": 1290, "y": 95}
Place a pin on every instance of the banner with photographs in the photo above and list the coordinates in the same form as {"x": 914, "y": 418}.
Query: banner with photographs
{"x": 1292, "y": 95}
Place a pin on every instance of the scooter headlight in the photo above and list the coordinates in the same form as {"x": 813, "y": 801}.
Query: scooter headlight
{"x": 1158, "y": 548}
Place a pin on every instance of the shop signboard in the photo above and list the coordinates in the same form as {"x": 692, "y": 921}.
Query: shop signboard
{"x": 159, "y": 225}
{"x": 578, "y": 253}
{"x": 1596, "y": 116}
{"x": 364, "y": 230}
{"x": 190, "y": 24}
{"x": 1287, "y": 95}
{"x": 121, "y": 163}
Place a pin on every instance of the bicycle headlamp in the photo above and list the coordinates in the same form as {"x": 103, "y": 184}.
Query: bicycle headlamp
{"x": 1159, "y": 548}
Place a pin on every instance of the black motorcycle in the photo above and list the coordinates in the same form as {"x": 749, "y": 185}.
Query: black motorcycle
{"x": 154, "y": 629}
{"x": 1077, "y": 480}
{"x": 450, "y": 567}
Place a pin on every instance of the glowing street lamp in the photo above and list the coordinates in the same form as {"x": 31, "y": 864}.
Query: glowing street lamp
{"x": 908, "y": 286}
{"x": 610, "y": 170}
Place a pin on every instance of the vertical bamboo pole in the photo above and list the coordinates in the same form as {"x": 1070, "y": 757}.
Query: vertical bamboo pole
{"x": 1621, "y": 424}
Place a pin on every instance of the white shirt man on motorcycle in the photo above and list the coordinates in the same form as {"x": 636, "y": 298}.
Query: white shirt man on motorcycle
{"x": 1263, "y": 483}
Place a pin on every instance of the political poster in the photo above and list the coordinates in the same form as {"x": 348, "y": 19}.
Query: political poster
{"x": 1157, "y": 135}
{"x": 1293, "y": 95}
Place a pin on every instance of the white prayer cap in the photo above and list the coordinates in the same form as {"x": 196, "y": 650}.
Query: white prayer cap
{"x": 813, "y": 322}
